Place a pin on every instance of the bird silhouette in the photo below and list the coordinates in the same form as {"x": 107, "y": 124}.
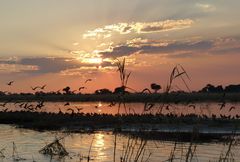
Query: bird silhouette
{"x": 231, "y": 108}
{"x": 148, "y": 106}
{"x": 193, "y": 106}
{"x": 34, "y": 88}
{"x": 112, "y": 104}
{"x": 167, "y": 107}
{"x": 3, "y": 104}
{"x": 67, "y": 104}
{"x": 21, "y": 105}
{"x": 88, "y": 80}
{"x": 5, "y": 110}
{"x": 222, "y": 105}
{"x": 10, "y": 83}
{"x": 80, "y": 88}
{"x": 27, "y": 106}
{"x": 38, "y": 87}
{"x": 222, "y": 116}
{"x": 43, "y": 87}
{"x": 96, "y": 106}
{"x": 79, "y": 109}
{"x": 40, "y": 105}
{"x": 69, "y": 109}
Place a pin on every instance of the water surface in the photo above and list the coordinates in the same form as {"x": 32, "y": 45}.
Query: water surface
{"x": 29, "y": 142}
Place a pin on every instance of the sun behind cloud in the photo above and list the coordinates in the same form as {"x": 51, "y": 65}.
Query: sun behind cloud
{"x": 95, "y": 60}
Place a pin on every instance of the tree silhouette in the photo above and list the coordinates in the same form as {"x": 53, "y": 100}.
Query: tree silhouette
{"x": 67, "y": 90}
{"x": 103, "y": 91}
{"x": 212, "y": 89}
{"x": 155, "y": 87}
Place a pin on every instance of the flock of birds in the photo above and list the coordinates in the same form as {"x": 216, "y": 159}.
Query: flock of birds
{"x": 223, "y": 110}
{"x": 29, "y": 106}
{"x": 37, "y": 106}
{"x": 41, "y": 88}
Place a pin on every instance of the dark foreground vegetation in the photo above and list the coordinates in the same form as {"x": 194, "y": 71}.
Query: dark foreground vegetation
{"x": 130, "y": 122}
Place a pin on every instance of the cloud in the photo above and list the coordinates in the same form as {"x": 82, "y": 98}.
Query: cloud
{"x": 175, "y": 49}
{"x": 137, "y": 28}
{"x": 86, "y": 71}
{"x": 50, "y": 65}
{"x": 157, "y": 47}
{"x": 231, "y": 50}
{"x": 43, "y": 65}
{"x": 16, "y": 68}
{"x": 206, "y": 7}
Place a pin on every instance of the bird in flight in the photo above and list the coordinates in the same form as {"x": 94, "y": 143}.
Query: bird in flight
{"x": 10, "y": 83}
{"x": 231, "y": 108}
{"x": 88, "y": 80}
{"x": 40, "y": 105}
{"x": 39, "y": 87}
{"x": 193, "y": 106}
{"x": 148, "y": 106}
{"x": 112, "y": 104}
{"x": 69, "y": 109}
{"x": 43, "y": 87}
{"x": 79, "y": 109}
{"x": 67, "y": 104}
{"x": 5, "y": 110}
{"x": 80, "y": 88}
{"x": 3, "y": 104}
{"x": 34, "y": 88}
{"x": 222, "y": 105}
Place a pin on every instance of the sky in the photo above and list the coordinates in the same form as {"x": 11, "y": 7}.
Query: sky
{"x": 64, "y": 42}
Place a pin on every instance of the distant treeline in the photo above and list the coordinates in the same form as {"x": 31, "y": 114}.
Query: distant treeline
{"x": 155, "y": 88}
{"x": 209, "y": 88}
{"x": 210, "y": 92}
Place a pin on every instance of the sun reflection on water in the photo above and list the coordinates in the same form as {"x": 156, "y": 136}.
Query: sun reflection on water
{"x": 99, "y": 145}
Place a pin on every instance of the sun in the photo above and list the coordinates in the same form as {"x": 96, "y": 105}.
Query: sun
{"x": 95, "y": 60}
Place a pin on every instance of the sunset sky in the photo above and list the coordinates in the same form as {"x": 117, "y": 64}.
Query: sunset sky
{"x": 63, "y": 42}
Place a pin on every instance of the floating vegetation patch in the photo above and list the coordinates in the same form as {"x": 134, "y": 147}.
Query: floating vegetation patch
{"x": 54, "y": 149}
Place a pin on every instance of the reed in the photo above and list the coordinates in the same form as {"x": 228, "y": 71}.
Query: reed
{"x": 15, "y": 155}
{"x": 2, "y": 153}
{"x": 134, "y": 150}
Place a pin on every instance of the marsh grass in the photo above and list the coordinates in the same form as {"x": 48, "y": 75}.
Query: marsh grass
{"x": 2, "y": 152}
{"x": 15, "y": 155}
{"x": 134, "y": 150}
{"x": 89, "y": 151}
{"x": 230, "y": 143}
{"x": 123, "y": 74}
